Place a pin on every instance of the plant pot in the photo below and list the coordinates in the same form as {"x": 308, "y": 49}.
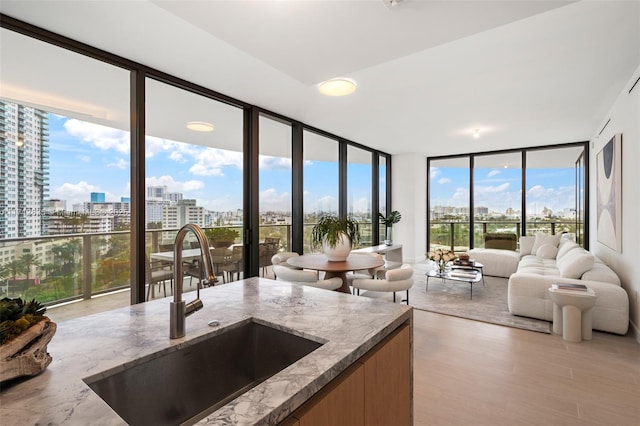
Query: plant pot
{"x": 27, "y": 355}
{"x": 221, "y": 244}
{"x": 340, "y": 252}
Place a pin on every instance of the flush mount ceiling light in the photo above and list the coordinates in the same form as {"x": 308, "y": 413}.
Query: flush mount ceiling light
{"x": 200, "y": 126}
{"x": 392, "y": 3}
{"x": 337, "y": 87}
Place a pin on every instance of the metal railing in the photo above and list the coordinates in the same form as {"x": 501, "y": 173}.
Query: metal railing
{"x": 454, "y": 234}
{"x": 58, "y": 268}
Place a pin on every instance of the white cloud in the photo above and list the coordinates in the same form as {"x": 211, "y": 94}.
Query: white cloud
{"x": 75, "y": 193}
{"x": 493, "y": 172}
{"x": 102, "y": 137}
{"x": 274, "y": 163}
{"x": 538, "y": 191}
{"x": 485, "y": 189}
{"x": 443, "y": 181}
{"x": 121, "y": 163}
{"x": 84, "y": 158}
{"x": 461, "y": 194}
{"x": 435, "y": 171}
{"x": 270, "y": 199}
{"x": 211, "y": 161}
{"x": 317, "y": 204}
{"x": 173, "y": 185}
{"x": 361, "y": 205}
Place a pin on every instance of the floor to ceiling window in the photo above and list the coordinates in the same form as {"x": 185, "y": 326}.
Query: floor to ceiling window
{"x": 69, "y": 178}
{"x": 449, "y": 203}
{"x": 275, "y": 186}
{"x": 552, "y": 202}
{"x": 194, "y": 171}
{"x": 382, "y": 195}
{"x": 551, "y": 190}
{"x": 64, "y": 184}
{"x": 321, "y": 181}
{"x": 359, "y": 186}
{"x": 497, "y": 188}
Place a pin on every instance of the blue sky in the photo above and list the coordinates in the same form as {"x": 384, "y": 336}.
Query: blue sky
{"x": 85, "y": 158}
{"x": 499, "y": 188}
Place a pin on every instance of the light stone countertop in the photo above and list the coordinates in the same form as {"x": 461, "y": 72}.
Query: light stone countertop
{"x": 83, "y": 347}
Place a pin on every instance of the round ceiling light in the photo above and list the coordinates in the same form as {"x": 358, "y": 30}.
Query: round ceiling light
{"x": 200, "y": 126}
{"x": 337, "y": 87}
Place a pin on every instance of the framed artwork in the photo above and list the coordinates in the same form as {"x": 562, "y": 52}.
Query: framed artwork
{"x": 609, "y": 193}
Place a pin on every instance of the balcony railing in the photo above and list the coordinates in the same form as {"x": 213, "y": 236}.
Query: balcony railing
{"x": 59, "y": 268}
{"x": 454, "y": 234}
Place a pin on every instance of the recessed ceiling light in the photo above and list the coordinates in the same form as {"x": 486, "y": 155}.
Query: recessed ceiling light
{"x": 200, "y": 126}
{"x": 337, "y": 87}
{"x": 476, "y": 133}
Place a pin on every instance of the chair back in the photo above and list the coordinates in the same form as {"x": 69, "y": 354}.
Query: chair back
{"x": 294, "y": 275}
{"x": 281, "y": 258}
{"x": 400, "y": 278}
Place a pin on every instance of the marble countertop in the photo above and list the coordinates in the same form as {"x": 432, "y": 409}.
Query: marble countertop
{"x": 83, "y": 347}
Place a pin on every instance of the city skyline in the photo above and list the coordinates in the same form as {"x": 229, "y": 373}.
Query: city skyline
{"x": 87, "y": 157}
{"x": 499, "y": 189}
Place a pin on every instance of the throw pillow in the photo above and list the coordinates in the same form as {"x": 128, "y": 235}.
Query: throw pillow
{"x": 547, "y": 251}
{"x": 565, "y": 248}
{"x": 526, "y": 244}
{"x": 575, "y": 263}
{"x": 541, "y": 239}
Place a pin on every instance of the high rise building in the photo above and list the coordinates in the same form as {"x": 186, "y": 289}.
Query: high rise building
{"x": 24, "y": 176}
{"x": 97, "y": 197}
{"x": 185, "y": 211}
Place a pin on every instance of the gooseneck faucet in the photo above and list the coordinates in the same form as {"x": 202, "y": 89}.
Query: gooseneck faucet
{"x": 178, "y": 309}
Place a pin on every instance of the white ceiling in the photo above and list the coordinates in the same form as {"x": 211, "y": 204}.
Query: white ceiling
{"x": 525, "y": 73}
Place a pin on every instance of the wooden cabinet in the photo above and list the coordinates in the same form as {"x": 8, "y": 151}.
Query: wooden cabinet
{"x": 387, "y": 381}
{"x": 375, "y": 390}
{"x": 340, "y": 403}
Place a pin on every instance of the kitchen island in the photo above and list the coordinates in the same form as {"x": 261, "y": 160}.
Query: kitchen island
{"x": 348, "y": 327}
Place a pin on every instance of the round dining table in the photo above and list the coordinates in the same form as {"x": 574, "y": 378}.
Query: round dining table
{"x": 319, "y": 262}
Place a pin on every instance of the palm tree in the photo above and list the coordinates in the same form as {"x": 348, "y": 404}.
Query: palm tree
{"x": 28, "y": 260}
{"x": 14, "y": 268}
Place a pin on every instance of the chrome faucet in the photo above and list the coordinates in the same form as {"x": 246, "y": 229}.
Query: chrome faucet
{"x": 178, "y": 309}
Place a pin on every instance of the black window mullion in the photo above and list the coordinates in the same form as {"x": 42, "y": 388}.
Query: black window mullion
{"x": 137, "y": 177}
{"x": 297, "y": 188}
{"x": 342, "y": 179}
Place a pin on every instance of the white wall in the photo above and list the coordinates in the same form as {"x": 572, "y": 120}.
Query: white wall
{"x": 409, "y": 197}
{"x": 625, "y": 119}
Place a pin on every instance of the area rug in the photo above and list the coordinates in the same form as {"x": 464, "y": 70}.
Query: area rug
{"x": 489, "y": 303}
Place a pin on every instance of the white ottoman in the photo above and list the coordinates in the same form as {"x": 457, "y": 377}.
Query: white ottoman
{"x": 497, "y": 263}
{"x": 572, "y": 313}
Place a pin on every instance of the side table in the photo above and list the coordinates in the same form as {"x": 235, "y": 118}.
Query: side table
{"x": 572, "y": 312}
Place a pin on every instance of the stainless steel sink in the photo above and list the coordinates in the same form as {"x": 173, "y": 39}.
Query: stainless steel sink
{"x": 185, "y": 385}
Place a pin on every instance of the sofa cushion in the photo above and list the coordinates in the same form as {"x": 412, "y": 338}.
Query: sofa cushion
{"x": 526, "y": 244}
{"x": 565, "y": 248}
{"x": 575, "y": 263}
{"x": 601, "y": 272}
{"x": 541, "y": 239}
{"x": 547, "y": 251}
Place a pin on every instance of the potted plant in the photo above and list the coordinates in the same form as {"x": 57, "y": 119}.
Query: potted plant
{"x": 221, "y": 237}
{"x": 336, "y": 236}
{"x": 393, "y": 218}
{"x": 24, "y": 335}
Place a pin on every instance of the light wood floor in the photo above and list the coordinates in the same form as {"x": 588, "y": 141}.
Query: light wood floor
{"x": 473, "y": 373}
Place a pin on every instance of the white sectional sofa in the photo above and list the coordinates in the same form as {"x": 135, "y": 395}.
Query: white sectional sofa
{"x": 545, "y": 260}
